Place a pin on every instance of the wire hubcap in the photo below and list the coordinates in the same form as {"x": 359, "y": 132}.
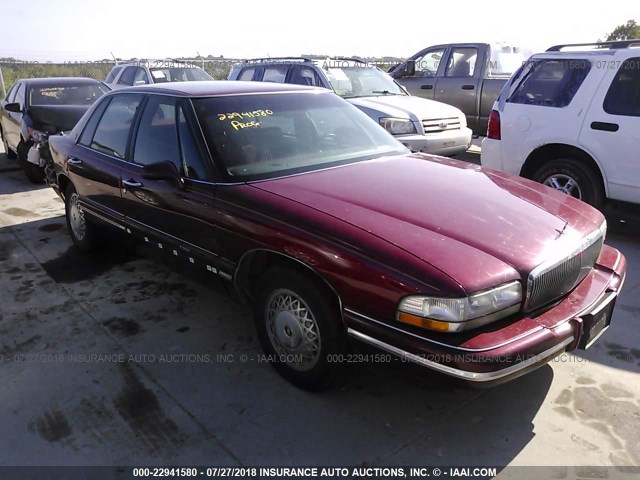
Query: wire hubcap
{"x": 292, "y": 330}
{"x": 76, "y": 218}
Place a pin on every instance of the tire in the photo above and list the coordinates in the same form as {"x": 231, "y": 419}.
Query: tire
{"x": 307, "y": 365}
{"x": 11, "y": 155}
{"x": 573, "y": 177}
{"x": 83, "y": 232}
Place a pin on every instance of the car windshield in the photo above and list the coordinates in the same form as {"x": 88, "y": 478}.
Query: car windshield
{"x": 76, "y": 94}
{"x": 360, "y": 81}
{"x": 178, "y": 74}
{"x": 262, "y": 136}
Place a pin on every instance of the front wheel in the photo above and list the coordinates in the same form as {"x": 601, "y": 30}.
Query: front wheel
{"x": 573, "y": 177}
{"x": 299, "y": 328}
{"x": 83, "y": 232}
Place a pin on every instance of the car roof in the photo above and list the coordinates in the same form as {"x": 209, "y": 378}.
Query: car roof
{"x": 581, "y": 53}
{"x": 218, "y": 88}
{"x": 59, "y": 80}
{"x": 157, "y": 63}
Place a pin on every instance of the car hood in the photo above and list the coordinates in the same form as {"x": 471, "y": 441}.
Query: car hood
{"x": 406, "y": 106}
{"x": 56, "y": 118}
{"x": 473, "y": 224}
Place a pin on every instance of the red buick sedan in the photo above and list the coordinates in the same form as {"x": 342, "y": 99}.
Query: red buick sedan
{"x": 336, "y": 232}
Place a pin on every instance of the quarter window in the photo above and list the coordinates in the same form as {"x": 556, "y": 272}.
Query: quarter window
{"x": 127, "y": 76}
{"x": 113, "y": 129}
{"x": 549, "y": 83}
{"x": 141, "y": 77}
{"x": 92, "y": 123}
{"x": 113, "y": 74}
{"x": 192, "y": 164}
{"x": 623, "y": 97}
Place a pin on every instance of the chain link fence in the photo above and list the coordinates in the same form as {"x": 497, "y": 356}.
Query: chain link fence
{"x": 219, "y": 68}
{"x": 12, "y": 70}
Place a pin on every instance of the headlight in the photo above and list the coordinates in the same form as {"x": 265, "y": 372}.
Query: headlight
{"x": 398, "y": 126}
{"x": 457, "y": 314}
{"x": 37, "y": 135}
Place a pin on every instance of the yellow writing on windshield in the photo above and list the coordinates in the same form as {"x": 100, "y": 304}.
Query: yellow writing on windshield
{"x": 239, "y": 125}
{"x": 255, "y": 113}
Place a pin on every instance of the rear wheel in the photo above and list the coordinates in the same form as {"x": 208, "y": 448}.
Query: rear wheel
{"x": 10, "y": 153}
{"x": 83, "y": 232}
{"x": 299, "y": 328}
{"x": 573, "y": 177}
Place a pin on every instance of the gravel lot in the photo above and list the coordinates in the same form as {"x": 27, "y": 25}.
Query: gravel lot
{"x": 115, "y": 359}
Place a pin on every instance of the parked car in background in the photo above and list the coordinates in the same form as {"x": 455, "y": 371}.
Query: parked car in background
{"x": 145, "y": 72}
{"x": 334, "y": 230}
{"x": 35, "y": 108}
{"x": 570, "y": 119}
{"x": 421, "y": 125}
{"x": 466, "y": 75}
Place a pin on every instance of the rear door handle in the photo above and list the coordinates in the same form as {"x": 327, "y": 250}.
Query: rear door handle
{"x": 468, "y": 87}
{"x": 426, "y": 87}
{"x": 131, "y": 183}
{"x": 73, "y": 161}
{"x": 605, "y": 126}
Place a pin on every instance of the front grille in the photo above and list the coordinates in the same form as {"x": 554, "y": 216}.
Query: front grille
{"x": 435, "y": 125}
{"x": 549, "y": 282}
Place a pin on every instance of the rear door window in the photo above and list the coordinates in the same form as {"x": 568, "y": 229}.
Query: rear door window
{"x": 623, "y": 97}
{"x": 112, "y": 132}
{"x": 549, "y": 82}
{"x": 462, "y": 62}
{"x": 303, "y": 76}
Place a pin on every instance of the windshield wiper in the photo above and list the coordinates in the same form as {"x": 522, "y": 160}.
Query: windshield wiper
{"x": 386, "y": 92}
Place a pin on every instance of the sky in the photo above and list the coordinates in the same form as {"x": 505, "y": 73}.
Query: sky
{"x": 75, "y": 30}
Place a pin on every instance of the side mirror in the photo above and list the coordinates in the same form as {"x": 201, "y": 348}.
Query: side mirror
{"x": 140, "y": 82}
{"x": 13, "y": 107}
{"x": 410, "y": 68}
{"x": 162, "y": 171}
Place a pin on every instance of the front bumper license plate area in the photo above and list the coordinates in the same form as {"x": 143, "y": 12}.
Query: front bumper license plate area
{"x": 596, "y": 323}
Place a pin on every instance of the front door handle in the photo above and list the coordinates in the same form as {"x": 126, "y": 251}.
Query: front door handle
{"x": 468, "y": 87}
{"x": 73, "y": 161}
{"x": 605, "y": 126}
{"x": 426, "y": 87}
{"x": 131, "y": 183}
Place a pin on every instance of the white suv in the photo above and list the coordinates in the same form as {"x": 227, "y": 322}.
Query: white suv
{"x": 570, "y": 118}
